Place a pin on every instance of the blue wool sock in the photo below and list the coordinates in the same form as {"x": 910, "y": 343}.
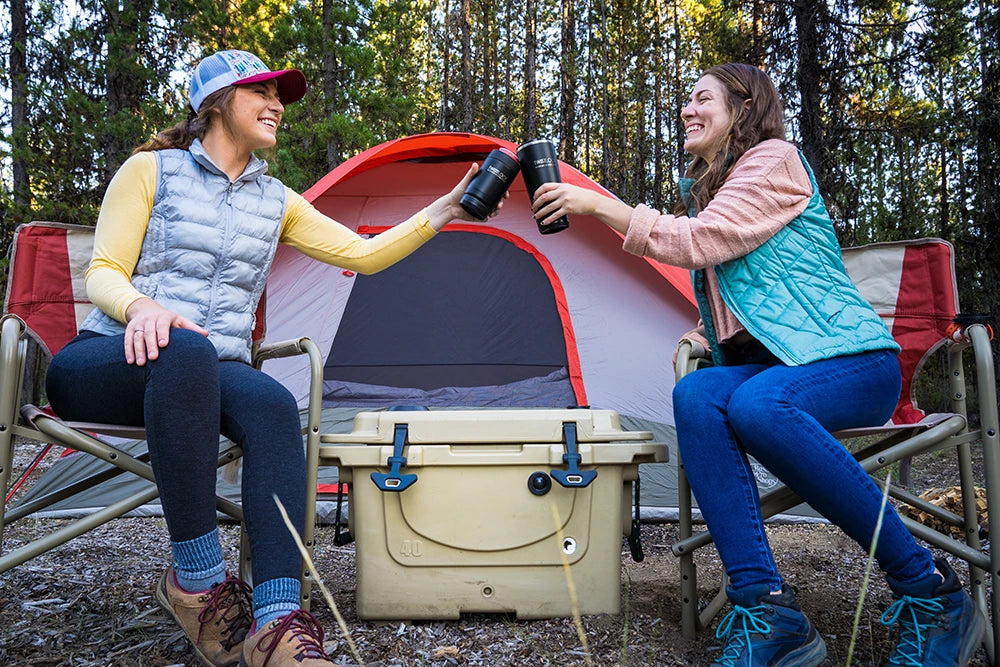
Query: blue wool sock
{"x": 198, "y": 563}
{"x": 274, "y": 599}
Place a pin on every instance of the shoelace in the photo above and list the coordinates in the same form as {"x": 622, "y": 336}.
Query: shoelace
{"x": 907, "y": 611}
{"x": 304, "y": 628}
{"x": 736, "y": 628}
{"x": 222, "y": 598}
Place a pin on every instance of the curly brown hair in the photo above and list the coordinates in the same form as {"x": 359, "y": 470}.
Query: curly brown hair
{"x": 750, "y": 124}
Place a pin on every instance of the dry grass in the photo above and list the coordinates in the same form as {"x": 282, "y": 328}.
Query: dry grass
{"x": 90, "y": 603}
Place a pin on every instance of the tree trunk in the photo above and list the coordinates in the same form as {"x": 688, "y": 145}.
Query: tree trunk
{"x": 488, "y": 58}
{"x": 678, "y": 90}
{"x": 530, "y": 85}
{"x": 808, "y": 77}
{"x": 988, "y": 149}
{"x": 588, "y": 111}
{"x": 605, "y": 112}
{"x": 465, "y": 28}
{"x": 944, "y": 192}
{"x": 567, "y": 84}
{"x": 508, "y": 70}
{"x": 330, "y": 82}
{"x": 19, "y": 116}
{"x": 658, "y": 47}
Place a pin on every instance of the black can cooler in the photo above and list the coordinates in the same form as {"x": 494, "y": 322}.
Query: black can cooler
{"x": 488, "y": 186}
{"x": 539, "y": 164}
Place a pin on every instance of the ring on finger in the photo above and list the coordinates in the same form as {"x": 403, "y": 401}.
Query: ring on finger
{"x": 138, "y": 331}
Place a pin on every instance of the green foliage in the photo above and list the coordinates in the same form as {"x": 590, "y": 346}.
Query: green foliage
{"x": 894, "y": 102}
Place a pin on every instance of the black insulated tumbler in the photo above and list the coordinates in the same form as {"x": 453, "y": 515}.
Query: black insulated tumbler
{"x": 488, "y": 186}
{"x": 539, "y": 164}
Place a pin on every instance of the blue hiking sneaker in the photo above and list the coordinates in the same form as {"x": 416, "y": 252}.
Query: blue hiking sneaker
{"x": 765, "y": 630}
{"x": 938, "y": 622}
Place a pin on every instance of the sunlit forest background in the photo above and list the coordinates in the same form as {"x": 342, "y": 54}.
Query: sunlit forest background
{"x": 896, "y": 103}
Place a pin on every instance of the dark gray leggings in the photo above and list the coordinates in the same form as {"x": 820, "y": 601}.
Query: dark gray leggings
{"x": 185, "y": 399}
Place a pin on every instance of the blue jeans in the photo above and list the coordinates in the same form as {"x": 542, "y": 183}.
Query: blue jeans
{"x": 782, "y": 416}
{"x": 185, "y": 399}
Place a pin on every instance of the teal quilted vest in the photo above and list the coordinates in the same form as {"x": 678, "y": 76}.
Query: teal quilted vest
{"x": 793, "y": 293}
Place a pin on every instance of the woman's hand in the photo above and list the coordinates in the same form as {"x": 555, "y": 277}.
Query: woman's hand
{"x": 148, "y": 329}
{"x": 449, "y": 207}
{"x": 554, "y": 200}
{"x": 696, "y": 335}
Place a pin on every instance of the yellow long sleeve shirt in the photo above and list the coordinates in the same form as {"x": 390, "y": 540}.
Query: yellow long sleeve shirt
{"x": 128, "y": 203}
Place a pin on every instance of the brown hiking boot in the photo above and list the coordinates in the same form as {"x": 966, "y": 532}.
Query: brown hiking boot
{"x": 296, "y": 639}
{"x": 216, "y": 621}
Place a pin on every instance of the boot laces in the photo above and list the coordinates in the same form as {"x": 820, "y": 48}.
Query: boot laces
{"x": 736, "y": 628}
{"x": 221, "y": 600}
{"x": 305, "y": 630}
{"x": 916, "y": 618}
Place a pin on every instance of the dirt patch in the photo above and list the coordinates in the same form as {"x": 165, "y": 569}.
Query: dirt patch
{"x": 90, "y": 603}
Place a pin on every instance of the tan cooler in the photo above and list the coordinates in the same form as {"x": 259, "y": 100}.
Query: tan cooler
{"x": 463, "y": 511}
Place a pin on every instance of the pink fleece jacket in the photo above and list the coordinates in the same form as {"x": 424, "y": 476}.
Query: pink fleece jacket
{"x": 767, "y": 188}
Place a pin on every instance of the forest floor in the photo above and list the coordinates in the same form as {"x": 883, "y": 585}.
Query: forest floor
{"x": 91, "y": 603}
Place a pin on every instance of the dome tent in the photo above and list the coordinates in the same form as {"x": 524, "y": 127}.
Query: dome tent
{"x": 488, "y": 314}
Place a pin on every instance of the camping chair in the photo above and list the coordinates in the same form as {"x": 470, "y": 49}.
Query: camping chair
{"x": 45, "y": 302}
{"x": 911, "y": 284}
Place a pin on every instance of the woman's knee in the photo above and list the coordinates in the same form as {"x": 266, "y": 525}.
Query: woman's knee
{"x": 751, "y": 408}
{"x": 186, "y": 346}
{"x": 191, "y": 342}
{"x": 694, "y": 392}
{"x": 284, "y": 403}
{"x": 249, "y": 391}
{"x": 188, "y": 361}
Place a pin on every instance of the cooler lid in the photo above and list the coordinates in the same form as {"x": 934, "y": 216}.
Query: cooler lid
{"x": 486, "y": 426}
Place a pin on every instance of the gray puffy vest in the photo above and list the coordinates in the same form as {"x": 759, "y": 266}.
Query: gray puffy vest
{"x": 208, "y": 248}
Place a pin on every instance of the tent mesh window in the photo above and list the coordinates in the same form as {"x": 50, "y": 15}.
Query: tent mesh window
{"x": 446, "y": 323}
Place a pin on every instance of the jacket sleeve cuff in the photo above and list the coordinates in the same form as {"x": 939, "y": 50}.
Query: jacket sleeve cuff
{"x": 422, "y": 224}
{"x": 640, "y": 226}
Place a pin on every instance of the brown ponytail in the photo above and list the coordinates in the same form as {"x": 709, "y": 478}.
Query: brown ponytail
{"x": 194, "y": 127}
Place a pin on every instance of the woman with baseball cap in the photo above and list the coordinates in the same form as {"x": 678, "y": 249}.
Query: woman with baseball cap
{"x": 185, "y": 239}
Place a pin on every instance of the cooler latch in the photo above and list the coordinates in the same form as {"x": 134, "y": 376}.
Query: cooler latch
{"x": 395, "y": 480}
{"x": 572, "y": 477}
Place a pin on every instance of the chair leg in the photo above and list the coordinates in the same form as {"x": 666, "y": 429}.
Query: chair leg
{"x": 11, "y": 329}
{"x": 688, "y": 574}
{"x": 313, "y": 427}
{"x": 989, "y": 421}
{"x": 6, "y": 463}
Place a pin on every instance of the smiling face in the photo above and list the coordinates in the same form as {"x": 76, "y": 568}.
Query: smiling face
{"x": 253, "y": 116}
{"x": 707, "y": 118}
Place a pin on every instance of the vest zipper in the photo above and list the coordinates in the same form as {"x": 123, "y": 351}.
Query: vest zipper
{"x": 225, "y": 244}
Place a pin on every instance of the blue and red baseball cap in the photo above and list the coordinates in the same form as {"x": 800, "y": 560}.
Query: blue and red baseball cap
{"x": 228, "y": 68}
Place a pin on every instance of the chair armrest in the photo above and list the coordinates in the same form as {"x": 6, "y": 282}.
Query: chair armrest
{"x": 12, "y": 328}
{"x": 284, "y": 348}
{"x": 690, "y": 354}
{"x": 980, "y": 337}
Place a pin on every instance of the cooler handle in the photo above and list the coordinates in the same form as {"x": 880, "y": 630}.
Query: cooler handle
{"x": 635, "y": 538}
{"x": 572, "y": 477}
{"x": 394, "y": 480}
